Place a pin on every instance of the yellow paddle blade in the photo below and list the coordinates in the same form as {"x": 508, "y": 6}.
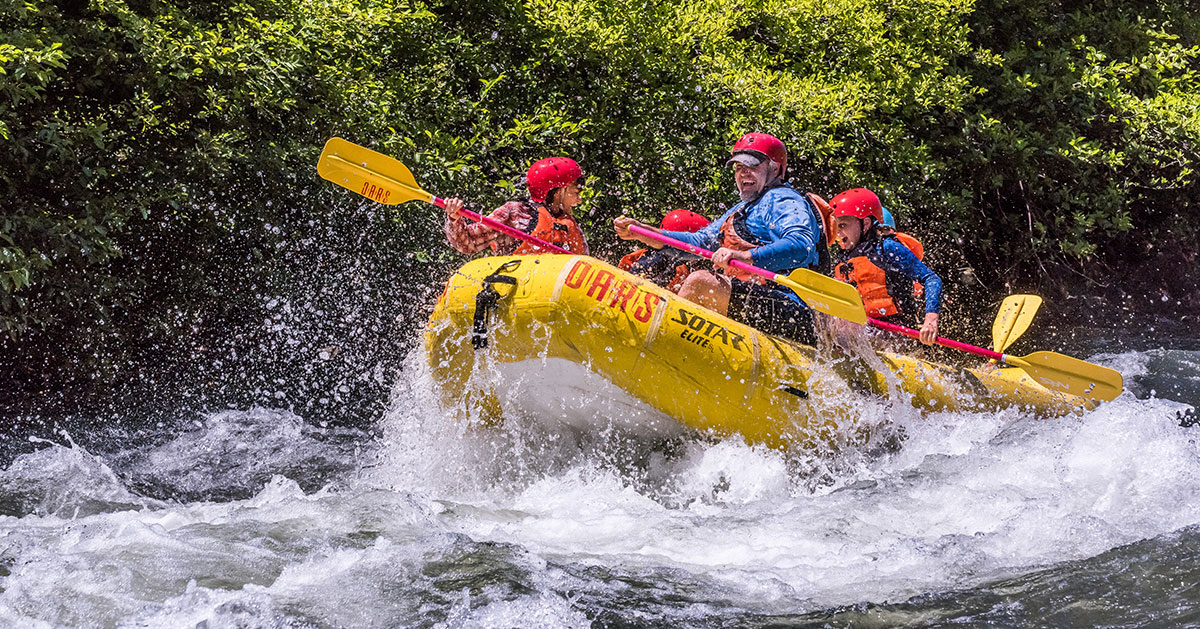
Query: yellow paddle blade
{"x": 827, "y": 295}
{"x": 371, "y": 174}
{"x": 1016, "y": 313}
{"x": 1071, "y": 375}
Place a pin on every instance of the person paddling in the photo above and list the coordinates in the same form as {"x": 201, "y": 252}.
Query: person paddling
{"x": 882, "y": 265}
{"x": 554, "y": 186}
{"x": 773, "y": 227}
{"x": 665, "y": 267}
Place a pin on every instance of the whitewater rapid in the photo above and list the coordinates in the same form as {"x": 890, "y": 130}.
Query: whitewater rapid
{"x": 256, "y": 518}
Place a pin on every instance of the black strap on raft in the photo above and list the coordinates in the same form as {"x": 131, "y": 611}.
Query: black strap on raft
{"x": 798, "y": 392}
{"x": 487, "y": 300}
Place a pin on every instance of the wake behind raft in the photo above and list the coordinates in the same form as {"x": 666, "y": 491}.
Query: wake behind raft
{"x": 701, "y": 369}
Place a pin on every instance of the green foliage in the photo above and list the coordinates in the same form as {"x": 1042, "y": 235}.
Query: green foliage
{"x": 1082, "y": 138}
{"x": 156, "y": 157}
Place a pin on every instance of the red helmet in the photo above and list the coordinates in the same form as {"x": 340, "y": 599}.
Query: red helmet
{"x": 859, "y": 203}
{"x": 551, "y": 173}
{"x": 760, "y": 146}
{"x": 683, "y": 221}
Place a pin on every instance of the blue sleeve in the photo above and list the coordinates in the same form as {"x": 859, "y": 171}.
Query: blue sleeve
{"x": 707, "y": 238}
{"x": 795, "y": 232}
{"x": 896, "y": 258}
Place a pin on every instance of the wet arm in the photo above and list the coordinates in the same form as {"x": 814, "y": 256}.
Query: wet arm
{"x": 792, "y": 223}
{"x": 897, "y": 258}
{"x": 471, "y": 237}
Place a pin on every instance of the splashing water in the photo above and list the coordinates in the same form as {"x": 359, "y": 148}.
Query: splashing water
{"x": 255, "y": 518}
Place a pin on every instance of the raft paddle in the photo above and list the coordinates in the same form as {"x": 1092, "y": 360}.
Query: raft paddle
{"x": 385, "y": 180}
{"x": 821, "y": 293}
{"x": 1016, "y": 313}
{"x": 1050, "y": 369}
{"x": 841, "y": 300}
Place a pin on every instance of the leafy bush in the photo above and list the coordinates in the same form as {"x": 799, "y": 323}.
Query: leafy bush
{"x": 1077, "y": 153}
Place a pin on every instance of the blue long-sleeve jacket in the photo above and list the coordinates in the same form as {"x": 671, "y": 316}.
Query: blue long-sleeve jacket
{"x": 782, "y": 219}
{"x": 893, "y": 257}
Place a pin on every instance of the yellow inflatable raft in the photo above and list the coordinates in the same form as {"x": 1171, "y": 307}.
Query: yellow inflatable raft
{"x": 687, "y": 363}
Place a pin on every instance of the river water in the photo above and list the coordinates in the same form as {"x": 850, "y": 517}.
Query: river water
{"x": 257, "y": 518}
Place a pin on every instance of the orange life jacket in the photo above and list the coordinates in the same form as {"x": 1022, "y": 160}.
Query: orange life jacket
{"x": 827, "y": 219}
{"x": 918, "y": 250}
{"x": 627, "y": 262}
{"x": 730, "y": 240}
{"x": 871, "y": 281}
{"x": 562, "y": 231}
{"x": 681, "y": 271}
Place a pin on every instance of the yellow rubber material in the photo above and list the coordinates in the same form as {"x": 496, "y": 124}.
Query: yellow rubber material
{"x": 704, "y": 370}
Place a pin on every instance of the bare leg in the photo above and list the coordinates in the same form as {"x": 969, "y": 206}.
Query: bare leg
{"x": 707, "y": 289}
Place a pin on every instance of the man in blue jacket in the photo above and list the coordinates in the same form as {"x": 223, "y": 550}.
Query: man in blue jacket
{"x": 774, "y": 227}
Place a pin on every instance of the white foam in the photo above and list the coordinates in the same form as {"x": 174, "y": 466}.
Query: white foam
{"x": 536, "y": 611}
{"x": 968, "y": 498}
{"x": 964, "y": 499}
